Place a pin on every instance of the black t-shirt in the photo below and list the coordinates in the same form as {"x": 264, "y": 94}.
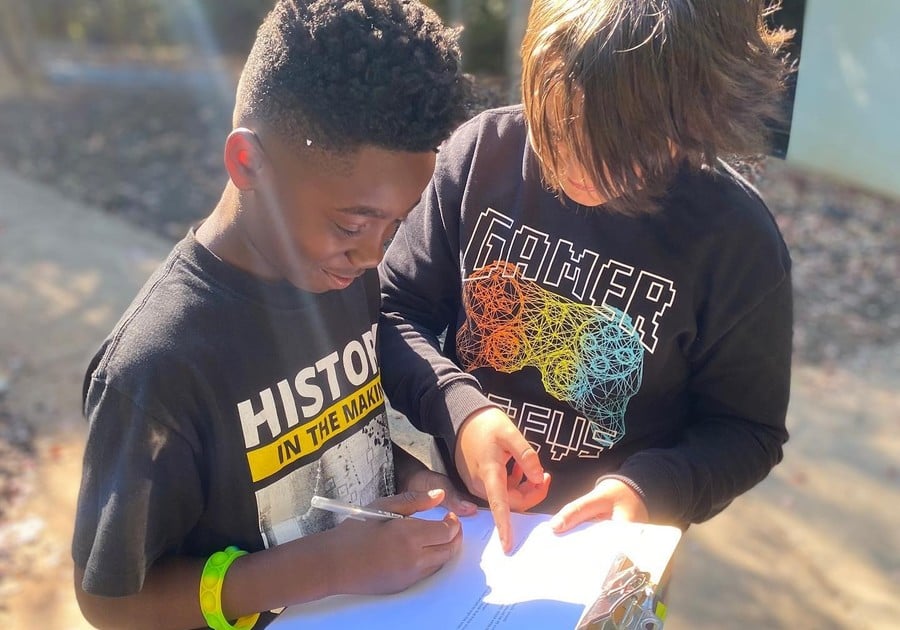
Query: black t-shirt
{"x": 653, "y": 348}
{"x": 218, "y": 406}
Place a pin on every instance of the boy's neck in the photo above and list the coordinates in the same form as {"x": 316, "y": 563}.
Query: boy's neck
{"x": 222, "y": 234}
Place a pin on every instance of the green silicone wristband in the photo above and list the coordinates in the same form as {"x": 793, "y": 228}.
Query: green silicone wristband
{"x": 211, "y": 581}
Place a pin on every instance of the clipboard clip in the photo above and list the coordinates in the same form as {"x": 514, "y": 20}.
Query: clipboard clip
{"x": 627, "y": 601}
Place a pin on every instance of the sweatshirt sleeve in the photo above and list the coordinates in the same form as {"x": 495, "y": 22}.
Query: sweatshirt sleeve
{"x": 420, "y": 290}
{"x": 738, "y": 394}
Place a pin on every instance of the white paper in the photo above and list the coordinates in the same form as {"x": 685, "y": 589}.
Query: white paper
{"x": 547, "y": 582}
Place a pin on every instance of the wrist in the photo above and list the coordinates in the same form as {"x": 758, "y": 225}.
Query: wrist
{"x": 271, "y": 578}
{"x": 336, "y": 574}
{"x": 658, "y": 485}
{"x": 212, "y": 582}
{"x": 460, "y": 401}
{"x": 631, "y": 483}
{"x": 469, "y": 432}
{"x": 638, "y": 497}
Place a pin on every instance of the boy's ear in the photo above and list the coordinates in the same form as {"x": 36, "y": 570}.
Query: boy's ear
{"x": 243, "y": 158}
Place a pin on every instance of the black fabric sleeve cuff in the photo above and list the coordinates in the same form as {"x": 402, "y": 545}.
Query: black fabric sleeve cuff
{"x": 454, "y": 403}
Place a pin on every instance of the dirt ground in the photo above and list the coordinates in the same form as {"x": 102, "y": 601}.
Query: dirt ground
{"x": 813, "y": 546}
{"x": 84, "y": 219}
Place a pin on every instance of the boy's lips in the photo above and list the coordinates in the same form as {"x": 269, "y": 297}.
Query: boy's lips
{"x": 343, "y": 279}
{"x": 346, "y": 275}
{"x": 581, "y": 187}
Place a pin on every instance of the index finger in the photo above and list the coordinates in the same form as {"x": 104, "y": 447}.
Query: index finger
{"x": 498, "y": 500}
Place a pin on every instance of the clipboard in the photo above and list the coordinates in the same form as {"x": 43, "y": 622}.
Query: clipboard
{"x": 601, "y": 575}
{"x": 628, "y": 601}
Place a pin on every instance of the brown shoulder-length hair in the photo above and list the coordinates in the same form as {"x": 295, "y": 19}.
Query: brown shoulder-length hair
{"x": 632, "y": 89}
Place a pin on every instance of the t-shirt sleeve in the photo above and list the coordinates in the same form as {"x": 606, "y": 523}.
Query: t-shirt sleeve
{"x": 140, "y": 493}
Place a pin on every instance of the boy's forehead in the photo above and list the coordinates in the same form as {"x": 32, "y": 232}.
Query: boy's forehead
{"x": 300, "y": 155}
{"x": 366, "y": 180}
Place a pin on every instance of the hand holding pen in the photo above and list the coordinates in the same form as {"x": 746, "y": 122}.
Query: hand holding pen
{"x": 386, "y": 552}
{"x": 350, "y": 510}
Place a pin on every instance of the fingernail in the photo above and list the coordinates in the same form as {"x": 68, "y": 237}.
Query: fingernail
{"x": 467, "y": 505}
{"x": 556, "y": 523}
{"x": 434, "y": 494}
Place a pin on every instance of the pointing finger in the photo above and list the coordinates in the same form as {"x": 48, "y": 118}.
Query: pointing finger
{"x": 498, "y": 500}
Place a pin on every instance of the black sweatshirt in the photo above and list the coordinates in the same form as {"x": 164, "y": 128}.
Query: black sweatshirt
{"x": 654, "y": 349}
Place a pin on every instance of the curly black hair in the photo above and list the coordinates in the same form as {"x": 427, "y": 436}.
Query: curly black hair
{"x": 341, "y": 74}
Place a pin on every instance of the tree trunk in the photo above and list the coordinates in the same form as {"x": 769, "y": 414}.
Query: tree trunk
{"x": 456, "y": 10}
{"x": 515, "y": 31}
{"x": 17, "y": 47}
{"x": 456, "y": 15}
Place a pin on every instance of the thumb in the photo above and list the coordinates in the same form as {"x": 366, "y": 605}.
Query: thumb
{"x": 411, "y": 501}
{"x": 621, "y": 513}
{"x": 526, "y": 458}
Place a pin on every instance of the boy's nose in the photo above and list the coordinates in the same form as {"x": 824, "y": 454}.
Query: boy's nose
{"x": 368, "y": 253}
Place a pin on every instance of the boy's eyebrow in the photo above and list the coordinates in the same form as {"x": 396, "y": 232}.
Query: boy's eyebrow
{"x": 364, "y": 211}
{"x": 368, "y": 211}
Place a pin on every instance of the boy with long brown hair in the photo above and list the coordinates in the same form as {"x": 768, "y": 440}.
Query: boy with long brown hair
{"x": 617, "y": 300}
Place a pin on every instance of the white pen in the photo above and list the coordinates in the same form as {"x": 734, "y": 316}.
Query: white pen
{"x": 352, "y": 511}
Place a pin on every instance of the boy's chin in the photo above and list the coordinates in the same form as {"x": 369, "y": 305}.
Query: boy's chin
{"x": 584, "y": 197}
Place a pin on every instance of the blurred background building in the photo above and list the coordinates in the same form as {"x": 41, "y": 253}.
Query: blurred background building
{"x": 847, "y": 95}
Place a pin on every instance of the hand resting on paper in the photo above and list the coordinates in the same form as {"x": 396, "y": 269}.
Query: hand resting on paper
{"x": 610, "y": 499}
{"x": 382, "y": 557}
{"x": 485, "y": 443}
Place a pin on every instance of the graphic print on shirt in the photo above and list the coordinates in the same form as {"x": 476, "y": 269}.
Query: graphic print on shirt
{"x": 584, "y": 355}
{"x": 322, "y": 430}
{"x": 533, "y": 300}
{"x": 561, "y": 267}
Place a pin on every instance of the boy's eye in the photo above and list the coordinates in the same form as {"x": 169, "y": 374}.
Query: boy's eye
{"x": 349, "y": 230}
